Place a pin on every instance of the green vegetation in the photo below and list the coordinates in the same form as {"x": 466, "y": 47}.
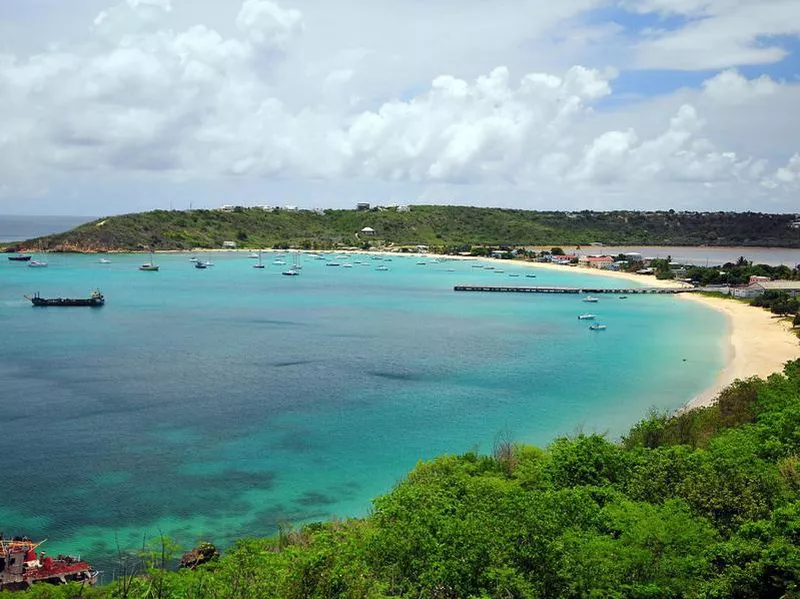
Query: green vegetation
{"x": 444, "y": 228}
{"x": 703, "y": 504}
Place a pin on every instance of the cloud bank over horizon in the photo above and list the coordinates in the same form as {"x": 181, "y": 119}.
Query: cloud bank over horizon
{"x": 637, "y": 104}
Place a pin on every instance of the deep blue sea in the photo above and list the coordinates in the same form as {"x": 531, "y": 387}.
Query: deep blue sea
{"x": 219, "y": 403}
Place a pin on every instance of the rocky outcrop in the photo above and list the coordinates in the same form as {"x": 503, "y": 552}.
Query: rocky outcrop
{"x": 202, "y": 554}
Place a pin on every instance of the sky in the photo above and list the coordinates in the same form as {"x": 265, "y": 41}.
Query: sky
{"x": 113, "y": 107}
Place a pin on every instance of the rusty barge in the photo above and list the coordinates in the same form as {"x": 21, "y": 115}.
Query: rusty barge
{"x": 21, "y": 566}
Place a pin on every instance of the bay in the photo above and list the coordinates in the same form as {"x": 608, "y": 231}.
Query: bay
{"x": 220, "y": 403}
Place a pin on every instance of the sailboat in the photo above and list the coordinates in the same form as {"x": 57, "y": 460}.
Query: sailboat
{"x": 294, "y": 271}
{"x": 260, "y": 263}
{"x": 150, "y": 266}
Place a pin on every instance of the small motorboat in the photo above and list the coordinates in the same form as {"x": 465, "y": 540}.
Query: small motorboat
{"x": 513, "y": 275}
{"x": 586, "y": 317}
{"x": 382, "y": 268}
{"x": 597, "y": 327}
{"x": 347, "y": 265}
{"x": 201, "y": 265}
{"x": 291, "y": 273}
{"x": 590, "y": 299}
{"x": 104, "y": 261}
{"x": 37, "y": 264}
{"x": 530, "y": 276}
{"x": 623, "y": 297}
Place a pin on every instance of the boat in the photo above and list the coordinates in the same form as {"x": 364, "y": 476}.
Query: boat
{"x": 623, "y": 297}
{"x": 597, "y": 327}
{"x": 530, "y": 276}
{"x": 513, "y": 275}
{"x": 477, "y": 266}
{"x": 21, "y": 567}
{"x": 200, "y": 264}
{"x": 420, "y": 263}
{"x": 38, "y": 263}
{"x": 347, "y": 265}
{"x": 95, "y": 300}
{"x": 20, "y": 258}
{"x": 586, "y": 317}
{"x": 260, "y": 263}
{"x": 254, "y": 255}
{"x": 294, "y": 271}
{"x": 590, "y": 299}
{"x": 333, "y": 264}
{"x": 193, "y": 259}
{"x": 382, "y": 268}
{"x": 500, "y": 272}
{"x": 104, "y": 261}
{"x": 150, "y": 266}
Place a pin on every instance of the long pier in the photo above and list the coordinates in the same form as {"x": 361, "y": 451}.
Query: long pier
{"x": 586, "y": 290}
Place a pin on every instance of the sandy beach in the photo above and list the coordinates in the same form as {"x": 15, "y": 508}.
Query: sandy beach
{"x": 760, "y": 344}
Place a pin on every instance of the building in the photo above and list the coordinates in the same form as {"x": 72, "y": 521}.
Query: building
{"x": 758, "y": 288}
{"x": 362, "y": 206}
{"x": 229, "y": 245}
{"x": 368, "y": 231}
{"x": 758, "y": 279}
{"x": 404, "y": 208}
{"x": 601, "y": 262}
{"x": 566, "y": 259}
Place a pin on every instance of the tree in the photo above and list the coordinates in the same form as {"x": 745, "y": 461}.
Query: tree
{"x": 796, "y": 321}
{"x": 557, "y": 252}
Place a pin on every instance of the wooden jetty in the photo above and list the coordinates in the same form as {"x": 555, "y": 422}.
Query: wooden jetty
{"x": 585, "y": 290}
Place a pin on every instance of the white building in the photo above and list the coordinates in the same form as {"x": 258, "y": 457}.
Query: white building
{"x": 760, "y": 287}
{"x": 368, "y": 231}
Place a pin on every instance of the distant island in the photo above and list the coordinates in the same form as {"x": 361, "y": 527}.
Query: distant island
{"x": 445, "y": 229}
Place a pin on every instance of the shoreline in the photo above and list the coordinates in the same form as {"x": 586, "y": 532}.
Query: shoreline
{"x": 759, "y": 344}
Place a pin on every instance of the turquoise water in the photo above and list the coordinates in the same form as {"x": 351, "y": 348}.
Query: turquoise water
{"x": 219, "y": 403}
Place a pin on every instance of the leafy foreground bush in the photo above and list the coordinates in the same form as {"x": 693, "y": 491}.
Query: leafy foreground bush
{"x": 705, "y": 504}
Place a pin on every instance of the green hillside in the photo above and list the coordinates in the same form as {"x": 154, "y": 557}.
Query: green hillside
{"x": 446, "y": 227}
{"x": 704, "y": 505}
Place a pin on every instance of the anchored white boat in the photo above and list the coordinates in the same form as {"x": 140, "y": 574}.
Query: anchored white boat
{"x": 586, "y": 317}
